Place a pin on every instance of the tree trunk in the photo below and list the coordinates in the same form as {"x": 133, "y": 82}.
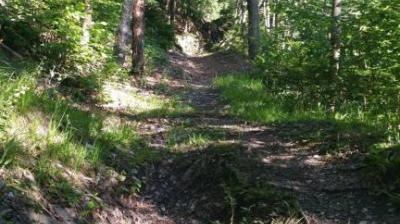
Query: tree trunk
{"x": 335, "y": 37}
{"x": 254, "y": 28}
{"x": 166, "y": 5}
{"x": 138, "y": 37}
{"x": 172, "y": 9}
{"x": 336, "y": 45}
{"x": 276, "y": 19}
{"x": 87, "y": 23}
{"x": 267, "y": 15}
{"x": 124, "y": 33}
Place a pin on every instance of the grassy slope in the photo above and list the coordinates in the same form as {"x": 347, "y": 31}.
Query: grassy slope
{"x": 51, "y": 142}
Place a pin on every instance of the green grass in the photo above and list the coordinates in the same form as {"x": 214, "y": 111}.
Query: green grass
{"x": 46, "y": 131}
{"x": 185, "y": 137}
{"x": 249, "y": 99}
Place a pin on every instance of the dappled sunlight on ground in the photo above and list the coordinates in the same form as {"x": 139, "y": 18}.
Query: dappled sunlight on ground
{"x": 128, "y": 98}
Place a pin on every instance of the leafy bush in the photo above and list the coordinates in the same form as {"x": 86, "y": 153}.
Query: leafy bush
{"x": 383, "y": 169}
{"x": 55, "y": 36}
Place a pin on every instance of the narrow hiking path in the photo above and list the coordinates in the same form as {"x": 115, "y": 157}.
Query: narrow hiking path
{"x": 329, "y": 188}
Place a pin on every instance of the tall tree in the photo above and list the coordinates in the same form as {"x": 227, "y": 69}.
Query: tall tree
{"x": 87, "y": 23}
{"x": 138, "y": 36}
{"x": 335, "y": 37}
{"x": 122, "y": 49}
{"x": 267, "y": 15}
{"x": 172, "y": 11}
{"x": 336, "y": 45}
{"x": 254, "y": 28}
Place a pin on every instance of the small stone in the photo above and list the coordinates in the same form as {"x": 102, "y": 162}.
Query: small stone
{"x": 317, "y": 157}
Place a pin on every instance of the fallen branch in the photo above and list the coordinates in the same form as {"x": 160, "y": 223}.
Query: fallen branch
{"x": 11, "y": 51}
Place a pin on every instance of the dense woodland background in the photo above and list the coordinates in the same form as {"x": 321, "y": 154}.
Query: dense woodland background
{"x": 334, "y": 61}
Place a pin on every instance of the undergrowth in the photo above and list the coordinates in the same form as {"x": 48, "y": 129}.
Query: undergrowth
{"x": 250, "y": 98}
{"x": 48, "y": 135}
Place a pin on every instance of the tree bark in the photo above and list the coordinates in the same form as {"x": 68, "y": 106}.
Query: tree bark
{"x": 124, "y": 33}
{"x": 336, "y": 47}
{"x": 267, "y": 15}
{"x": 138, "y": 36}
{"x": 172, "y": 9}
{"x": 336, "y": 37}
{"x": 254, "y": 28}
{"x": 87, "y": 23}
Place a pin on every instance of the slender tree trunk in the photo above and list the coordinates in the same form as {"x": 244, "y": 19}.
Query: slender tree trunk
{"x": 172, "y": 10}
{"x": 336, "y": 46}
{"x": 87, "y": 23}
{"x": 335, "y": 36}
{"x": 276, "y": 19}
{"x": 254, "y": 28}
{"x": 267, "y": 15}
{"x": 124, "y": 33}
{"x": 166, "y": 5}
{"x": 138, "y": 36}
{"x": 237, "y": 10}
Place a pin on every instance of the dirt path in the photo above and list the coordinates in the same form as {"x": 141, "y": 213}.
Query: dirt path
{"x": 204, "y": 150}
{"x": 329, "y": 188}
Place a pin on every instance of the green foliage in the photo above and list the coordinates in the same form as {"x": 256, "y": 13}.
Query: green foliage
{"x": 15, "y": 82}
{"x": 55, "y": 36}
{"x": 383, "y": 169}
{"x": 8, "y": 151}
{"x": 294, "y": 79}
{"x": 202, "y": 10}
{"x": 159, "y": 36}
{"x": 250, "y": 99}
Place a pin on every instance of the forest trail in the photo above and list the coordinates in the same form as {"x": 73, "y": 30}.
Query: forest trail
{"x": 329, "y": 188}
{"x": 205, "y": 159}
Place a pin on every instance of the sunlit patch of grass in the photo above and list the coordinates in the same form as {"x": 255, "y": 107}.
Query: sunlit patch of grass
{"x": 42, "y": 138}
{"x": 249, "y": 99}
{"x": 182, "y": 138}
{"x": 130, "y": 99}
